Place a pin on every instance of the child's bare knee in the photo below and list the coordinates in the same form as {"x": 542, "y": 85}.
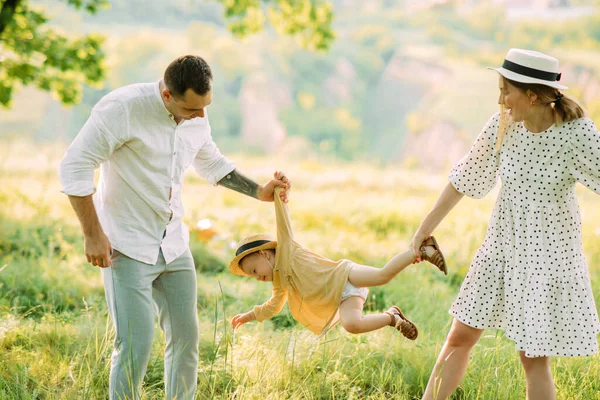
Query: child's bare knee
{"x": 352, "y": 326}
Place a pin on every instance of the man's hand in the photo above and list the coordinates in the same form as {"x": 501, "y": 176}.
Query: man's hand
{"x": 97, "y": 249}
{"x": 95, "y": 243}
{"x": 241, "y": 319}
{"x": 266, "y": 191}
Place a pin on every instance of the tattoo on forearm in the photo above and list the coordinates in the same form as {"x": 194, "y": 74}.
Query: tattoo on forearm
{"x": 238, "y": 182}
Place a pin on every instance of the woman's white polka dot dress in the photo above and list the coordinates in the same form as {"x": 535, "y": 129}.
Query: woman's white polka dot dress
{"x": 530, "y": 277}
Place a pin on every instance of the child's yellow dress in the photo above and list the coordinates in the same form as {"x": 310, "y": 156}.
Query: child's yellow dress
{"x": 310, "y": 283}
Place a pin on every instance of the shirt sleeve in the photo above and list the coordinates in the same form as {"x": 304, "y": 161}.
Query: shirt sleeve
{"x": 285, "y": 235}
{"x": 271, "y": 307}
{"x": 476, "y": 174}
{"x": 210, "y": 164}
{"x": 105, "y": 131}
{"x": 585, "y": 146}
{"x": 282, "y": 214}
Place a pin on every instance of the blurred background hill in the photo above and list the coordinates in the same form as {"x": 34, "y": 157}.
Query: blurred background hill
{"x": 403, "y": 82}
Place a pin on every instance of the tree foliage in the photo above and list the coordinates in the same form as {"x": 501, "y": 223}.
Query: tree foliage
{"x": 307, "y": 20}
{"x": 31, "y": 53}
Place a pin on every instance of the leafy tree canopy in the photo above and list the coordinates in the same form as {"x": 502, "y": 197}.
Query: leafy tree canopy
{"x": 31, "y": 53}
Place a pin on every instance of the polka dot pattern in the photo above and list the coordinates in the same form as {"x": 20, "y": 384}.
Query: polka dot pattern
{"x": 530, "y": 277}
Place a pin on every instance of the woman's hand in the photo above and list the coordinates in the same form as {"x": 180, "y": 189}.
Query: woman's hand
{"x": 446, "y": 202}
{"x": 415, "y": 244}
{"x": 241, "y": 319}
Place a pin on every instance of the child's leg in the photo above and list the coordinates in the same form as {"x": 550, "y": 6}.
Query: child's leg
{"x": 364, "y": 276}
{"x": 353, "y": 320}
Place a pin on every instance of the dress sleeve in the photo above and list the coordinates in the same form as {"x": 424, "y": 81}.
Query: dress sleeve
{"x": 272, "y": 306}
{"x": 585, "y": 146}
{"x": 476, "y": 174}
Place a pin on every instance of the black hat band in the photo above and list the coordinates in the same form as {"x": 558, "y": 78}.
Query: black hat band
{"x": 530, "y": 72}
{"x": 250, "y": 245}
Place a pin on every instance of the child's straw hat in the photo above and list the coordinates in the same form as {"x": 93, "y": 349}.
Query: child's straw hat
{"x": 250, "y": 245}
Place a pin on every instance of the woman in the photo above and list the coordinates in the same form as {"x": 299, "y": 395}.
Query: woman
{"x": 529, "y": 277}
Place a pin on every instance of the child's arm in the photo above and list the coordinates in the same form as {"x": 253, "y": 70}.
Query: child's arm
{"x": 284, "y": 224}
{"x": 263, "y": 312}
{"x": 241, "y": 319}
{"x": 272, "y": 306}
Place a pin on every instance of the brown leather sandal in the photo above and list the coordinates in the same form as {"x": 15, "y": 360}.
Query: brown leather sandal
{"x": 437, "y": 258}
{"x": 402, "y": 324}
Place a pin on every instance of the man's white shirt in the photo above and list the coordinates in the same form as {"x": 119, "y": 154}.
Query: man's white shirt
{"x": 142, "y": 154}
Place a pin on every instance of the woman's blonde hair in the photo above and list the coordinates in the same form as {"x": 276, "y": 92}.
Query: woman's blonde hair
{"x": 564, "y": 109}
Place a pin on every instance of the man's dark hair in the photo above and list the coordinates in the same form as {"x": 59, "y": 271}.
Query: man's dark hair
{"x": 188, "y": 72}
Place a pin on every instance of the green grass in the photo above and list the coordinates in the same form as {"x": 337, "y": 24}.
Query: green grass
{"x": 56, "y": 339}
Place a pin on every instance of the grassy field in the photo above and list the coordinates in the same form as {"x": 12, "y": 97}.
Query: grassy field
{"x": 55, "y": 337}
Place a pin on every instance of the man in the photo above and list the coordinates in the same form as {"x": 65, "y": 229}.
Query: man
{"x": 143, "y": 137}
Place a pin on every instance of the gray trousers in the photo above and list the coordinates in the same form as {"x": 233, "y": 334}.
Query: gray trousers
{"x": 135, "y": 291}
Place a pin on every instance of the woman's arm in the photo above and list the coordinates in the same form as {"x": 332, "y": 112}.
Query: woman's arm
{"x": 446, "y": 202}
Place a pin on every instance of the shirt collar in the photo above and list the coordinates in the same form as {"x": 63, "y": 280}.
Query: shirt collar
{"x": 160, "y": 100}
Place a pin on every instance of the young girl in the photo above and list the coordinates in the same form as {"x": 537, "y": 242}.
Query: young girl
{"x": 320, "y": 292}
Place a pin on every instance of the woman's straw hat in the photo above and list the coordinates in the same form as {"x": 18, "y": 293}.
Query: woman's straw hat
{"x": 527, "y": 66}
{"x": 249, "y": 245}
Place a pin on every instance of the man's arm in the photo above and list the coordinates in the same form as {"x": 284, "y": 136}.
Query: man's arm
{"x": 238, "y": 182}
{"x": 96, "y": 244}
{"x": 210, "y": 164}
{"x": 103, "y": 133}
